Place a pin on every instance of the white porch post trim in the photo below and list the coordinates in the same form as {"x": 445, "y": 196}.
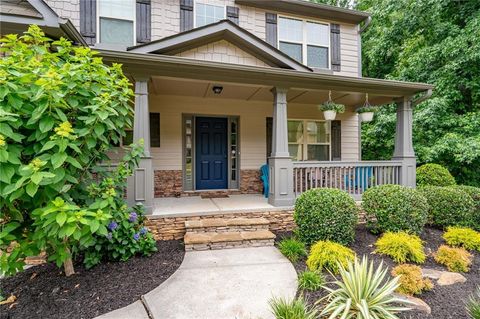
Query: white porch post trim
{"x": 281, "y": 168}
{"x": 140, "y": 185}
{"x": 404, "y": 142}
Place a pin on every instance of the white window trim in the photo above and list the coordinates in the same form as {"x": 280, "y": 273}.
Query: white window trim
{"x": 304, "y": 40}
{"x": 305, "y": 139}
{"x": 110, "y": 17}
{"x": 208, "y": 4}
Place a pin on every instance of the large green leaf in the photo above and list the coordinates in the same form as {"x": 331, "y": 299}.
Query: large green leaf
{"x": 31, "y": 189}
{"x": 6, "y": 173}
{"x": 61, "y": 218}
{"x": 58, "y": 159}
{"x": 46, "y": 124}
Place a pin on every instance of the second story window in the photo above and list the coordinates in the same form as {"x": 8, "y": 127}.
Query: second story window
{"x": 305, "y": 41}
{"x": 207, "y": 14}
{"x": 116, "y": 21}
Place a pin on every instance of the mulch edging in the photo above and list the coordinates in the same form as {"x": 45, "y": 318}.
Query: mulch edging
{"x": 44, "y": 291}
{"x": 446, "y": 302}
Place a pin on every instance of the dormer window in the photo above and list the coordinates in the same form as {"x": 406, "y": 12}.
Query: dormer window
{"x": 116, "y": 22}
{"x": 307, "y": 42}
{"x": 207, "y": 14}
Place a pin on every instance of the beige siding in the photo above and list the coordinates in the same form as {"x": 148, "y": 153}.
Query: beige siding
{"x": 349, "y": 50}
{"x": 252, "y": 115}
{"x": 222, "y": 51}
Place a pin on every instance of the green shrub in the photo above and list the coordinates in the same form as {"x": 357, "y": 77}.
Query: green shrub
{"x": 448, "y": 206}
{"x": 455, "y": 259}
{"x": 401, "y": 247}
{"x": 411, "y": 280}
{"x": 329, "y": 255}
{"x": 473, "y": 305}
{"x": 325, "y": 214}
{"x": 434, "y": 175}
{"x": 293, "y": 309}
{"x": 310, "y": 280}
{"x": 395, "y": 208}
{"x": 462, "y": 237}
{"x": 362, "y": 293}
{"x": 474, "y": 193}
{"x": 292, "y": 248}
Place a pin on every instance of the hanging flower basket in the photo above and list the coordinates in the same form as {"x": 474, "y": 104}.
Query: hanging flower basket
{"x": 330, "y": 108}
{"x": 367, "y": 111}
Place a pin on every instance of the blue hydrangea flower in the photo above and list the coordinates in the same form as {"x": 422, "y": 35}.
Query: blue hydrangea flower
{"x": 143, "y": 231}
{"x": 136, "y": 236}
{"x": 109, "y": 236}
{"x": 112, "y": 226}
{"x": 133, "y": 217}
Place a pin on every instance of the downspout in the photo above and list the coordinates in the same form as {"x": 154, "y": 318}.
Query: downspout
{"x": 427, "y": 94}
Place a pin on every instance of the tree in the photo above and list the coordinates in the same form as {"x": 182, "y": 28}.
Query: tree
{"x": 61, "y": 110}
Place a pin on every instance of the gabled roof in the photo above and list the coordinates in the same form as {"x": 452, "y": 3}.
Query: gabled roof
{"x": 222, "y": 30}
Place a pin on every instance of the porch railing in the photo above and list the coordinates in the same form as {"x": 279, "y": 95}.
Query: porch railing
{"x": 352, "y": 177}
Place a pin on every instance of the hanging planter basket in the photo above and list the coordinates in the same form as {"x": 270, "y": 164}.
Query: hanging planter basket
{"x": 330, "y": 108}
{"x": 329, "y": 115}
{"x": 366, "y": 116}
{"x": 367, "y": 111}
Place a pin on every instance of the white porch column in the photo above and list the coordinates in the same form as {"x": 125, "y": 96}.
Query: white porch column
{"x": 404, "y": 142}
{"x": 281, "y": 168}
{"x": 140, "y": 185}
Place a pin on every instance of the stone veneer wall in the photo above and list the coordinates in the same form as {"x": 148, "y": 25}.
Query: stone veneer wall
{"x": 169, "y": 228}
{"x": 250, "y": 182}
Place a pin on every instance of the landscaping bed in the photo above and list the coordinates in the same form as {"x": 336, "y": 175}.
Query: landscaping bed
{"x": 44, "y": 292}
{"x": 445, "y": 301}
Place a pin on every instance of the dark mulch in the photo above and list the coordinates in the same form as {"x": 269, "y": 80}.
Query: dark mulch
{"x": 44, "y": 291}
{"x": 447, "y": 302}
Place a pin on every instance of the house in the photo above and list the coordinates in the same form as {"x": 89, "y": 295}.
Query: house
{"x": 224, "y": 86}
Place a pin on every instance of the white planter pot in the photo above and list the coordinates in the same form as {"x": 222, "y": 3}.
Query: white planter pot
{"x": 366, "y": 116}
{"x": 329, "y": 115}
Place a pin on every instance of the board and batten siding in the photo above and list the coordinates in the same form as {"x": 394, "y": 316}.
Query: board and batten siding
{"x": 252, "y": 116}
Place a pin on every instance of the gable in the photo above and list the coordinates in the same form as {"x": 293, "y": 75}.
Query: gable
{"x": 222, "y": 51}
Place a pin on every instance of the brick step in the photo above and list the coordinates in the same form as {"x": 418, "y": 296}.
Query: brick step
{"x": 221, "y": 225}
{"x": 232, "y": 239}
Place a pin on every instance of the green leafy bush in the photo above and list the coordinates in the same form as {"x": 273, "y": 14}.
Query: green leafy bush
{"x": 395, "y": 208}
{"x": 474, "y": 193}
{"x": 293, "y": 309}
{"x": 310, "y": 280}
{"x": 61, "y": 110}
{"x": 331, "y": 106}
{"x": 434, "y": 175}
{"x": 411, "y": 280}
{"x": 362, "y": 292}
{"x": 329, "y": 255}
{"x": 292, "y": 248}
{"x": 325, "y": 214}
{"x": 448, "y": 206}
{"x": 401, "y": 247}
{"x": 473, "y": 305}
{"x": 455, "y": 259}
{"x": 462, "y": 237}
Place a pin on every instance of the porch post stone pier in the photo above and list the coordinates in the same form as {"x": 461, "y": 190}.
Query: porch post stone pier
{"x": 404, "y": 151}
{"x": 140, "y": 185}
{"x": 280, "y": 163}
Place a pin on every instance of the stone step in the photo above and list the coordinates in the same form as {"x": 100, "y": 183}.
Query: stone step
{"x": 226, "y": 225}
{"x": 232, "y": 239}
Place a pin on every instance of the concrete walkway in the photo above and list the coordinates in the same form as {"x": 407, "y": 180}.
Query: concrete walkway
{"x": 217, "y": 284}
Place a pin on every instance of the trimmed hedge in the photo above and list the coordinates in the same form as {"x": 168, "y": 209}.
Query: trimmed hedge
{"x": 449, "y": 206}
{"x": 395, "y": 208}
{"x": 474, "y": 193}
{"x": 326, "y": 214}
{"x": 434, "y": 175}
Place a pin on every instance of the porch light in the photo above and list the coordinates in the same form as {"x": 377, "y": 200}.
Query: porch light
{"x": 217, "y": 89}
{"x": 367, "y": 111}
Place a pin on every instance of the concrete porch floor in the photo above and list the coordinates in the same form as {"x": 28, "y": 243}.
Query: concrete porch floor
{"x": 196, "y": 205}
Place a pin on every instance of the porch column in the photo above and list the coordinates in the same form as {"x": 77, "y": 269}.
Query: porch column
{"x": 404, "y": 142}
{"x": 281, "y": 168}
{"x": 140, "y": 185}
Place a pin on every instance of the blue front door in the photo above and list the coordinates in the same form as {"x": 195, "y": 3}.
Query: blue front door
{"x": 211, "y": 153}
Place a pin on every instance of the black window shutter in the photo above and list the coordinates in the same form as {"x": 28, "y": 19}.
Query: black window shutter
{"x": 335, "y": 50}
{"x": 88, "y": 21}
{"x": 336, "y": 140}
{"x": 232, "y": 14}
{"x": 154, "y": 129}
{"x": 144, "y": 21}
{"x": 271, "y": 28}
{"x": 269, "y": 136}
{"x": 186, "y": 15}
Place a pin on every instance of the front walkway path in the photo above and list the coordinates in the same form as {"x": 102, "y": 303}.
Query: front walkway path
{"x": 230, "y": 283}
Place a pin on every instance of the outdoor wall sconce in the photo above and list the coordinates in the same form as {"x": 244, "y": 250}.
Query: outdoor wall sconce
{"x": 217, "y": 89}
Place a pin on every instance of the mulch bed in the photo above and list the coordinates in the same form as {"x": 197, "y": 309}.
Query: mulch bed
{"x": 44, "y": 292}
{"x": 446, "y": 302}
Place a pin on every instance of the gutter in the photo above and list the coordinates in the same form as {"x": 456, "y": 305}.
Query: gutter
{"x": 69, "y": 29}
{"x": 427, "y": 94}
{"x": 367, "y": 23}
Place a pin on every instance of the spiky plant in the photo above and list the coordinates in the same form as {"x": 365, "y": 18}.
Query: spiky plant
{"x": 473, "y": 305}
{"x": 362, "y": 293}
{"x": 294, "y": 309}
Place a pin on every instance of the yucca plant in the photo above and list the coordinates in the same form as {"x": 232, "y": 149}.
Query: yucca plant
{"x": 362, "y": 293}
{"x": 296, "y": 308}
{"x": 473, "y": 305}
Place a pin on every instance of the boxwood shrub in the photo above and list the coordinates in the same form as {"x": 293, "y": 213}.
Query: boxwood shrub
{"x": 326, "y": 214}
{"x": 448, "y": 206}
{"x": 474, "y": 193}
{"x": 395, "y": 208}
{"x": 434, "y": 175}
